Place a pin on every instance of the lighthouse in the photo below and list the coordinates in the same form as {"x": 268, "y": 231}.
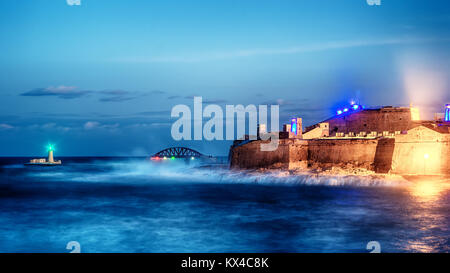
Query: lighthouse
{"x": 50, "y": 154}
{"x": 49, "y": 161}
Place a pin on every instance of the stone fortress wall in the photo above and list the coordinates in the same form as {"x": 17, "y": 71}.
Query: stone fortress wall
{"x": 396, "y": 144}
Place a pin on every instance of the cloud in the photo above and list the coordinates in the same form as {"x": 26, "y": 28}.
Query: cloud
{"x": 173, "y": 97}
{"x": 49, "y": 125}
{"x": 52, "y": 126}
{"x": 123, "y": 95}
{"x": 212, "y": 56}
{"x": 116, "y": 99}
{"x": 116, "y": 95}
{"x": 71, "y": 92}
{"x": 62, "y": 91}
{"x": 6, "y": 126}
{"x": 91, "y": 125}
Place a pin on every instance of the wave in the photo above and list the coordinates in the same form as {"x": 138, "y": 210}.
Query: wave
{"x": 140, "y": 171}
{"x": 282, "y": 177}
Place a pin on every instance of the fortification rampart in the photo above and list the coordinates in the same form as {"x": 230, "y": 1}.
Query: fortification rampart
{"x": 359, "y": 153}
{"x": 422, "y": 151}
{"x": 250, "y": 156}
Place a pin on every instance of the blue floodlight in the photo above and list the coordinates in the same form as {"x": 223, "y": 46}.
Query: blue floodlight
{"x": 345, "y": 109}
{"x": 447, "y": 112}
{"x": 355, "y": 107}
{"x": 294, "y": 126}
{"x": 339, "y": 112}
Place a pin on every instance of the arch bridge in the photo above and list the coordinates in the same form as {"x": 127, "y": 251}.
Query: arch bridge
{"x": 177, "y": 152}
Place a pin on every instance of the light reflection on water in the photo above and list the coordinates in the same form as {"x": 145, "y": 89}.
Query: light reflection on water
{"x": 428, "y": 190}
{"x": 113, "y": 205}
{"x": 427, "y": 193}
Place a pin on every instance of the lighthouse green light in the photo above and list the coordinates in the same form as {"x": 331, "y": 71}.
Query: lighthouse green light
{"x": 50, "y": 147}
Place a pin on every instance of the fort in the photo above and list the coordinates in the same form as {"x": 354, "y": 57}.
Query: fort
{"x": 381, "y": 140}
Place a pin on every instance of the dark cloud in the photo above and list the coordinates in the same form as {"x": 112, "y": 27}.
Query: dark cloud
{"x": 116, "y": 99}
{"x": 71, "y": 92}
{"x": 173, "y": 97}
{"x": 63, "y": 92}
{"x": 115, "y": 92}
{"x": 117, "y": 95}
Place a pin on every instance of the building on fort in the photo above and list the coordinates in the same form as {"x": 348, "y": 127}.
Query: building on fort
{"x": 384, "y": 140}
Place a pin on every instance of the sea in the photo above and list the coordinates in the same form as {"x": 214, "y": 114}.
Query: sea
{"x": 136, "y": 205}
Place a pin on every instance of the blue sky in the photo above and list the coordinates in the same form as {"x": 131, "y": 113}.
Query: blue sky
{"x": 102, "y": 77}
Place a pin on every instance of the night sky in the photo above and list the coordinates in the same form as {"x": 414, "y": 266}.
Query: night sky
{"x": 101, "y": 78}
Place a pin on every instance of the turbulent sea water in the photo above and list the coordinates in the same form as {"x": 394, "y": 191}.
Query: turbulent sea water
{"x": 134, "y": 205}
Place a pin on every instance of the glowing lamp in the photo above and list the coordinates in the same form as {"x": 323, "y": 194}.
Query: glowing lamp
{"x": 345, "y": 109}
{"x": 164, "y": 158}
{"x": 355, "y": 107}
{"x": 172, "y": 158}
{"x": 192, "y": 158}
{"x": 339, "y": 112}
{"x": 426, "y": 156}
{"x": 50, "y": 148}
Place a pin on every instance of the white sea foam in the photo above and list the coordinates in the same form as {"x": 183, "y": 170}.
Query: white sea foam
{"x": 140, "y": 171}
